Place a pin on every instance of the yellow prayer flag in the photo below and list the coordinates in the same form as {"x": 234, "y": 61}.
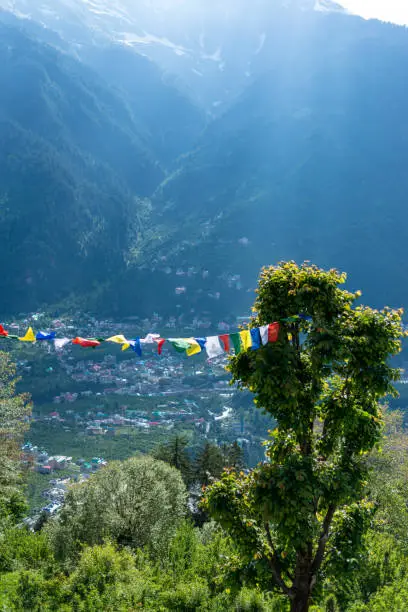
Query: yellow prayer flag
{"x": 29, "y": 337}
{"x": 246, "y": 339}
{"x": 194, "y": 348}
{"x": 125, "y": 346}
{"x": 117, "y": 339}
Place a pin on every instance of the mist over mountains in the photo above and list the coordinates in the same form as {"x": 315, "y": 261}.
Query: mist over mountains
{"x": 160, "y": 148}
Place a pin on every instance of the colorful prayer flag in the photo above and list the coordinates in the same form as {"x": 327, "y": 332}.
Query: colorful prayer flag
{"x": 213, "y": 347}
{"x": 45, "y": 336}
{"x": 180, "y": 344}
{"x": 86, "y": 342}
{"x": 201, "y": 341}
{"x": 246, "y": 339}
{"x": 3, "y": 332}
{"x": 225, "y": 342}
{"x": 29, "y": 336}
{"x": 117, "y": 339}
{"x": 256, "y": 338}
{"x": 159, "y": 342}
{"x": 236, "y": 342}
{"x": 273, "y": 332}
{"x": 135, "y": 344}
{"x": 264, "y": 334}
{"x": 194, "y": 347}
{"x": 59, "y": 343}
{"x": 150, "y": 339}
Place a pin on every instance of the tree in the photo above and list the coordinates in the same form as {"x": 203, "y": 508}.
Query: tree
{"x": 106, "y": 579}
{"x": 175, "y": 453}
{"x": 135, "y": 503}
{"x": 209, "y": 463}
{"x": 14, "y": 410}
{"x": 233, "y": 455}
{"x": 322, "y": 381}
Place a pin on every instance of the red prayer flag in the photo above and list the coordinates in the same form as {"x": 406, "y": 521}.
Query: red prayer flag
{"x": 273, "y": 332}
{"x": 225, "y": 341}
{"x": 3, "y": 332}
{"x": 86, "y": 343}
{"x": 159, "y": 342}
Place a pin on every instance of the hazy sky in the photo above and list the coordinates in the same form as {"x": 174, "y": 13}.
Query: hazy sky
{"x": 386, "y": 10}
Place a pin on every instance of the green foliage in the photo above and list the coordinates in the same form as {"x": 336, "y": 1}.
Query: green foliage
{"x": 322, "y": 382}
{"x": 107, "y": 576}
{"x": 209, "y": 463}
{"x": 391, "y": 597}
{"x": 174, "y": 452}
{"x": 14, "y": 410}
{"x": 382, "y": 560}
{"x": 136, "y": 503}
{"x": 21, "y": 549}
{"x": 233, "y": 456}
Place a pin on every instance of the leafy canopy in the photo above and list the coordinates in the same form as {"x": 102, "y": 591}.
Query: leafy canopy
{"x": 322, "y": 382}
{"x": 14, "y": 412}
{"x": 136, "y": 503}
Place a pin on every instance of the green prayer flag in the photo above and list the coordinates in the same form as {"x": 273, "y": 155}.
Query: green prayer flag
{"x": 180, "y": 344}
{"x": 236, "y": 341}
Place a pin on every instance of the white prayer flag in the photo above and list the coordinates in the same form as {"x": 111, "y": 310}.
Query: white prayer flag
{"x": 150, "y": 339}
{"x": 264, "y": 333}
{"x": 59, "y": 343}
{"x": 213, "y": 347}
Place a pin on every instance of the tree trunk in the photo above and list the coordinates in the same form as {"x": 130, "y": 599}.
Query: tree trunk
{"x": 301, "y": 600}
{"x": 302, "y": 588}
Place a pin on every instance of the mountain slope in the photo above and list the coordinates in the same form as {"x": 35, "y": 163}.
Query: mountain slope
{"x": 215, "y": 49}
{"x": 169, "y": 120}
{"x": 72, "y": 170}
{"x": 309, "y": 164}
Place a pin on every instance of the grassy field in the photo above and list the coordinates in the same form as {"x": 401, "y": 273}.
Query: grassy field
{"x": 76, "y": 444}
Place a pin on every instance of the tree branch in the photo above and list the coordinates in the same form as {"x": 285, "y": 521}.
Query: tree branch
{"x": 274, "y": 565}
{"x": 324, "y": 536}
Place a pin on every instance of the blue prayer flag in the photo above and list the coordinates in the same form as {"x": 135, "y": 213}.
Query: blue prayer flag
{"x": 201, "y": 342}
{"x": 45, "y": 336}
{"x": 136, "y": 346}
{"x": 256, "y": 338}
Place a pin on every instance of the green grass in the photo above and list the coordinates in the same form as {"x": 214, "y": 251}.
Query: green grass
{"x": 77, "y": 444}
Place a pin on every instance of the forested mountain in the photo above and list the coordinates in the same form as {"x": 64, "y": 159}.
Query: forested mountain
{"x": 308, "y": 164}
{"x": 77, "y": 157}
{"x": 169, "y": 120}
{"x": 305, "y": 163}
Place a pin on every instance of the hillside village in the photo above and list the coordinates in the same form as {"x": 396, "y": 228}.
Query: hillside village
{"x": 108, "y": 396}
{"x": 64, "y": 471}
{"x": 112, "y": 398}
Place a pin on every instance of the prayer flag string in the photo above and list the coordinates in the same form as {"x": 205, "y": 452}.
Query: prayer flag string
{"x": 252, "y": 338}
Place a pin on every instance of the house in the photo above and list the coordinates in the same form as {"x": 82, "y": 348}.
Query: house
{"x": 59, "y": 462}
{"x": 44, "y": 469}
{"x": 95, "y": 431}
